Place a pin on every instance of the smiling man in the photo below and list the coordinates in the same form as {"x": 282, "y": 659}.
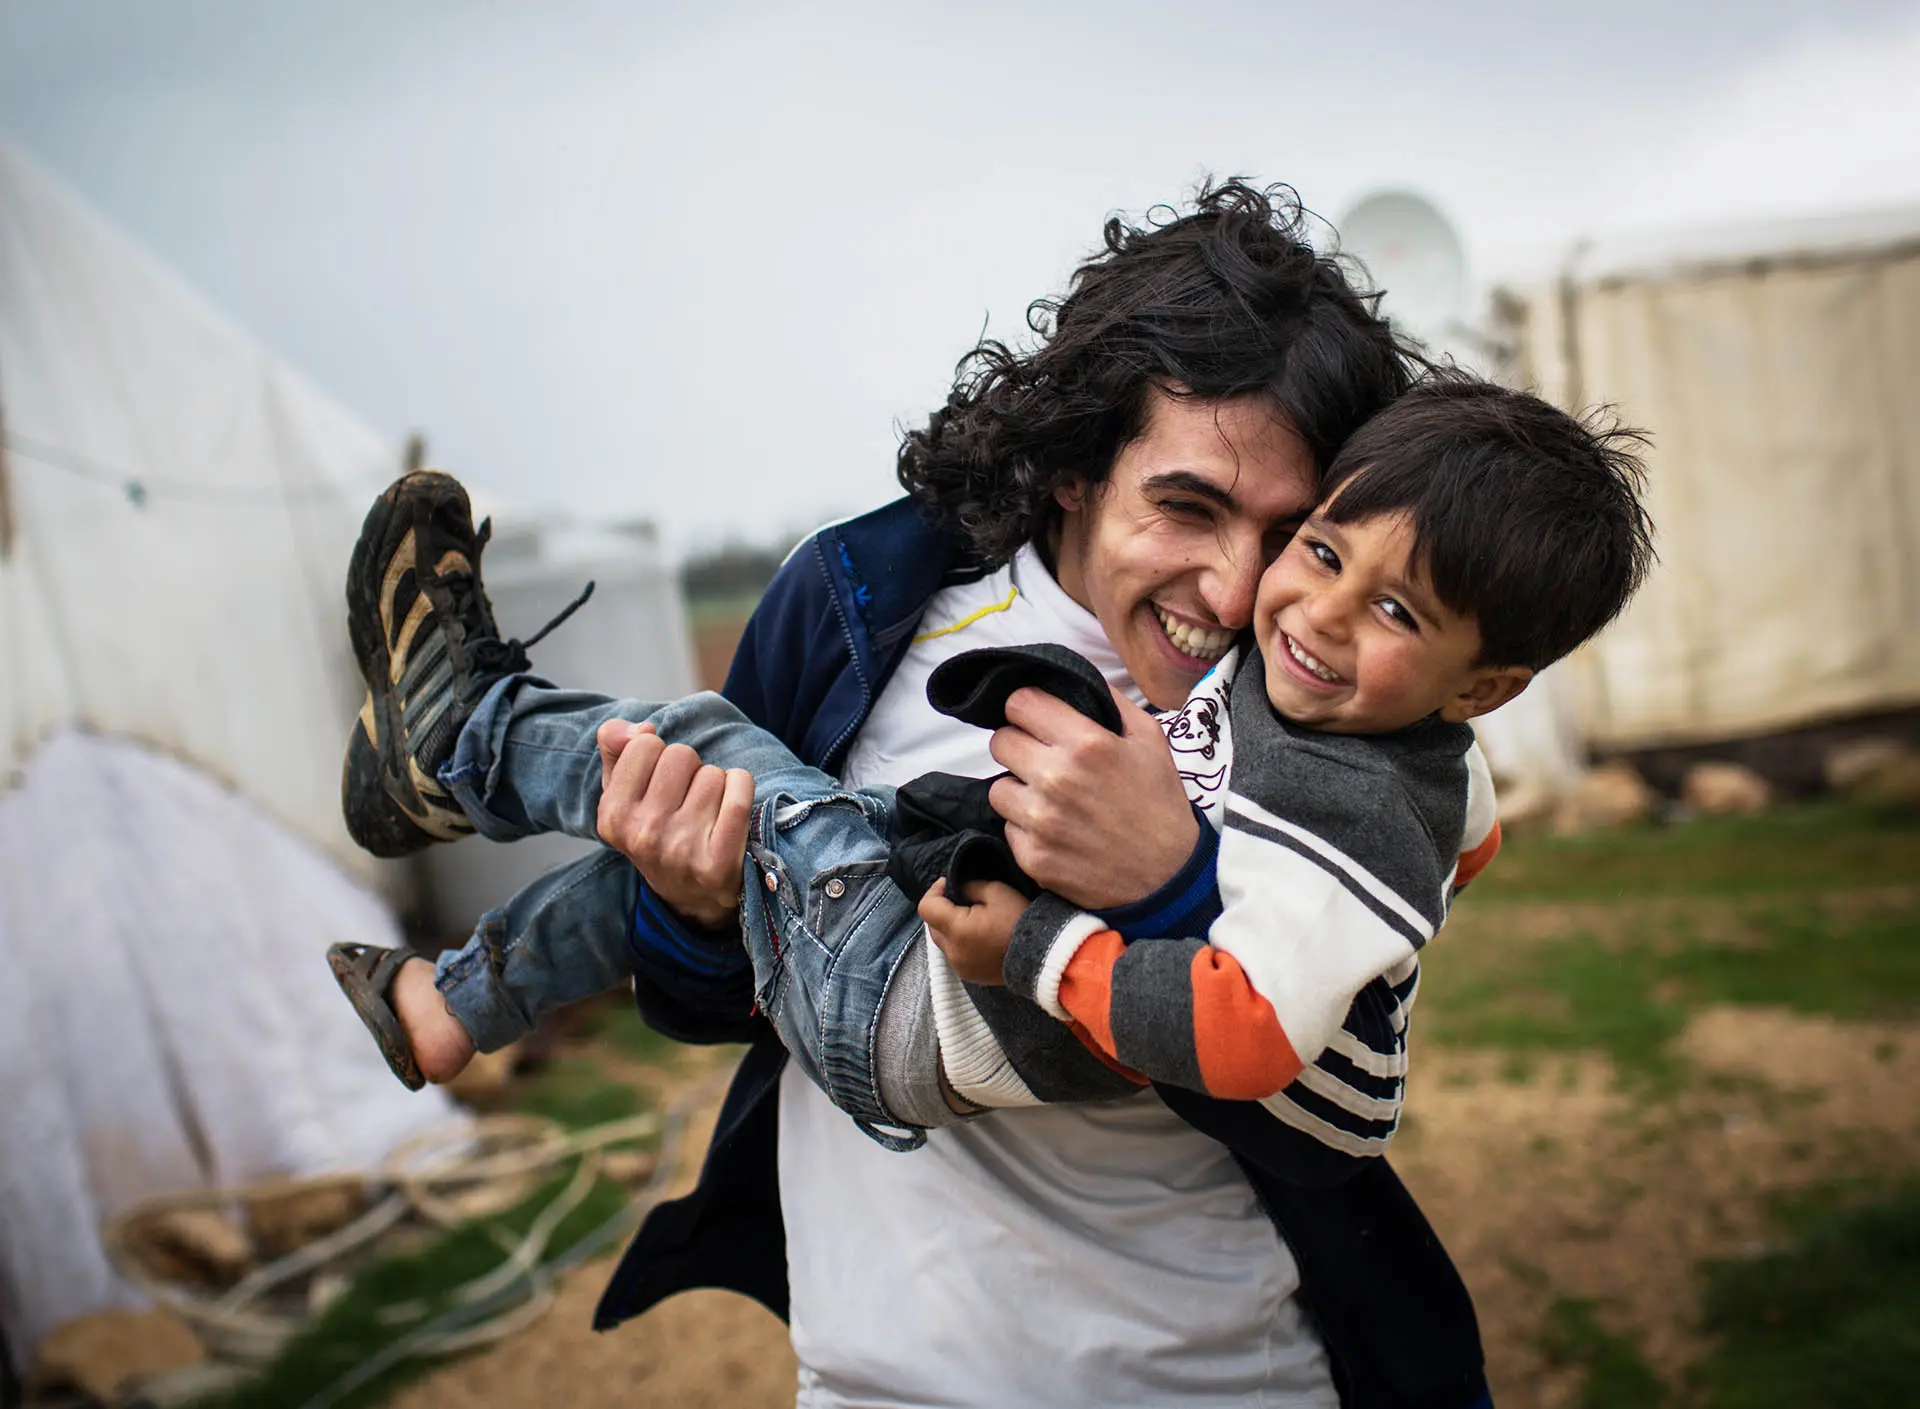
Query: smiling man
{"x": 1119, "y": 488}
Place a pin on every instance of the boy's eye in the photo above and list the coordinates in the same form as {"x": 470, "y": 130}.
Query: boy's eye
{"x": 1324, "y": 555}
{"x": 1399, "y": 613}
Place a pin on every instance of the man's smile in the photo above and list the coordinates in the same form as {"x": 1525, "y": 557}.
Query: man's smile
{"x": 1198, "y": 642}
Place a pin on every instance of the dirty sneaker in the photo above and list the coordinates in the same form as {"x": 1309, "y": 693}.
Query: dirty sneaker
{"x": 428, "y": 648}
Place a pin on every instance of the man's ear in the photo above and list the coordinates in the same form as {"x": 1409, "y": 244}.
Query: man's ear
{"x": 1071, "y": 496}
{"x": 1488, "y": 690}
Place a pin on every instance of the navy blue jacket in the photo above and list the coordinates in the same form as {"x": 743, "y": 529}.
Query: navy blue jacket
{"x": 1396, "y": 1320}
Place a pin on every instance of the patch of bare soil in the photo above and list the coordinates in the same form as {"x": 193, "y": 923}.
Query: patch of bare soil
{"x": 1559, "y": 1184}
{"x": 1563, "y": 1185}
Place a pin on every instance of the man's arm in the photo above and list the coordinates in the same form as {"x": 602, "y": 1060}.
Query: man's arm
{"x": 693, "y": 982}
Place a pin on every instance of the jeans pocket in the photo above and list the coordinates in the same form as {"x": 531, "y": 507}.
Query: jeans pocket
{"x": 840, "y": 897}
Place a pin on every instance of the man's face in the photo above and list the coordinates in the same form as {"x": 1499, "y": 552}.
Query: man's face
{"x": 1167, "y": 552}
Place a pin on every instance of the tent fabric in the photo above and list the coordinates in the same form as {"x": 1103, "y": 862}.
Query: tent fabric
{"x": 178, "y": 509}
{"x": 1784, "y": 479}
{"x": 168, "y": 1019}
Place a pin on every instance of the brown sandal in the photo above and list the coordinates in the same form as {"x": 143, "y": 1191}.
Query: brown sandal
{"x": 365, "y": 973}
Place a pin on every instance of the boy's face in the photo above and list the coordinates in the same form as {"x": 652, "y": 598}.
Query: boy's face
{"x": 1356, "y": 641}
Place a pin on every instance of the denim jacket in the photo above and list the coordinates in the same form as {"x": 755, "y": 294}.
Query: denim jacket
{"x": 1395, "y": 1317}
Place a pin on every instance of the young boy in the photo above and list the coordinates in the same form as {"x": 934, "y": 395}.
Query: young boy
{"x": 1468, "y": 536}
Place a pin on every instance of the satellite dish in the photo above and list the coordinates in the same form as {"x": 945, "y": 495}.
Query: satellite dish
{"x": 1415, "y": 256}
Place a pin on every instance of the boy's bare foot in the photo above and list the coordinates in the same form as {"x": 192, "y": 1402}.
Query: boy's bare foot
{"x": 441, "y": 1046}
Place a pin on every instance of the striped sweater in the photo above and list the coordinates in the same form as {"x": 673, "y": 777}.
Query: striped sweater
{"x": 1339, "y": 855}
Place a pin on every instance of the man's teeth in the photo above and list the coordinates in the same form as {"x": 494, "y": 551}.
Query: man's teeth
{"x": 1311, "y": 662}
{"x": 1195, "y": 641}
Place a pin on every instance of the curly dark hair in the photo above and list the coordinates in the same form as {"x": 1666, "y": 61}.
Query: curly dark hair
{"x": 1525, "y": 518}
{"x": 1229, "y": 300}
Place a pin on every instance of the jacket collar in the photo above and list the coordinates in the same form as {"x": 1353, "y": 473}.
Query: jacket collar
{"x": 884, "y": 567}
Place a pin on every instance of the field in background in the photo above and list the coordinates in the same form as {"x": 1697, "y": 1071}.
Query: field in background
{"x": 1663, "y": 1113}
{"x": 715, "y": 623}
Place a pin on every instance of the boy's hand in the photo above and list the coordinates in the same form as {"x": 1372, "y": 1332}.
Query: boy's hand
{"x": 974, "y": 936}
{"x": 681, "y": 822}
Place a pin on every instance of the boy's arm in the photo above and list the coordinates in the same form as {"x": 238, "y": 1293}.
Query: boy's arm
{"x": 1194, "y": 1012}
{"x": 1297, "y": 998}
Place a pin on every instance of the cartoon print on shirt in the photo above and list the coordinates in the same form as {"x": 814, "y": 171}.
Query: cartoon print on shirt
{"x": 1202, "y": 748}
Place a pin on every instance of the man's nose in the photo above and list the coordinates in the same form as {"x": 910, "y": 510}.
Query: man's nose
{"x": 1232, "y": 579}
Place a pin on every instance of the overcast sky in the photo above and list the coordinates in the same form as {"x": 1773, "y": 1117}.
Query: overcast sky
{"x": 700, "y": 262}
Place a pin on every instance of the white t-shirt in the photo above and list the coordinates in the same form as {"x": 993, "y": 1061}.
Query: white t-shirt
{"x": 1102, "y": 1254}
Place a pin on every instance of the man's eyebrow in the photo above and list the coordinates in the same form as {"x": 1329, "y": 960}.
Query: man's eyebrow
{"x": 1188, "y": 482}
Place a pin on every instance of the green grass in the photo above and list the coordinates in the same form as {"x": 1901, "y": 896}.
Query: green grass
{"x": 1832, "y": 1319}
{"x": 620, "y": 1027}
{"x": 1617, "y": 1376}
{"x": 1815, "y": 910}
{"x": 1819, "y": 847}
{"x": 725, "y": 609}
{"x": 574, "y": 1092}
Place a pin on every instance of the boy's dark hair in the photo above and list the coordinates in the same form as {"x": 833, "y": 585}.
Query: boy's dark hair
{"x": 1525, "y": 518}
{"x": 1227, "y": 301}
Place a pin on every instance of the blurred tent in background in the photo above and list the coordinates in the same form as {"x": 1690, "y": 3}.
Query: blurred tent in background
{"x": 175, "y": 512}
{"x": 1776, "y": 367}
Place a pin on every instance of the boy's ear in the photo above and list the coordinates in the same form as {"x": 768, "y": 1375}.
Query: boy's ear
{"x": 1488, "y": 690}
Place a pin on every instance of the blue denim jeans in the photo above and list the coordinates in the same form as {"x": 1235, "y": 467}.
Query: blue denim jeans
{"x": 823, "y": 927}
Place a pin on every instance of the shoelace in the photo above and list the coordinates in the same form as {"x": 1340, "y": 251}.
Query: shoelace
{"x": 488, "y": 653}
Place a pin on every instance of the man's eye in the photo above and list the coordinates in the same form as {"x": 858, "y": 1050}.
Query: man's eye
{"x": 1183, "y": 508}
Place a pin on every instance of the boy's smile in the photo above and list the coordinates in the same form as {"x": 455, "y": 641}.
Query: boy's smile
{"x": 1356, "y": 641}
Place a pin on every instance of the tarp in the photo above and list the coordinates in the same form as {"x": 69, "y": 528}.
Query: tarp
{"x": 167, "y": 1020}
{"x": 176, "y": 509}
{"x": 1775, "y": 368}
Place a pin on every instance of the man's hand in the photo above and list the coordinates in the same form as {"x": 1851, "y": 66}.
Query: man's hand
{"x": 681, "y": 822}
{"x": 1098, "y": 818}
{"x": 974, "y": 936}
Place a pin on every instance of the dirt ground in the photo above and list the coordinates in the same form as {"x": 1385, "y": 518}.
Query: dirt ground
{"x": 1561, "y": 1185}
{"x": 1556, "y": 1182}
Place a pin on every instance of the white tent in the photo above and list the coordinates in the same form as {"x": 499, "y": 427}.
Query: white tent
{"x": 176, "y": 509}
{"x": 1775, "y": 366}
